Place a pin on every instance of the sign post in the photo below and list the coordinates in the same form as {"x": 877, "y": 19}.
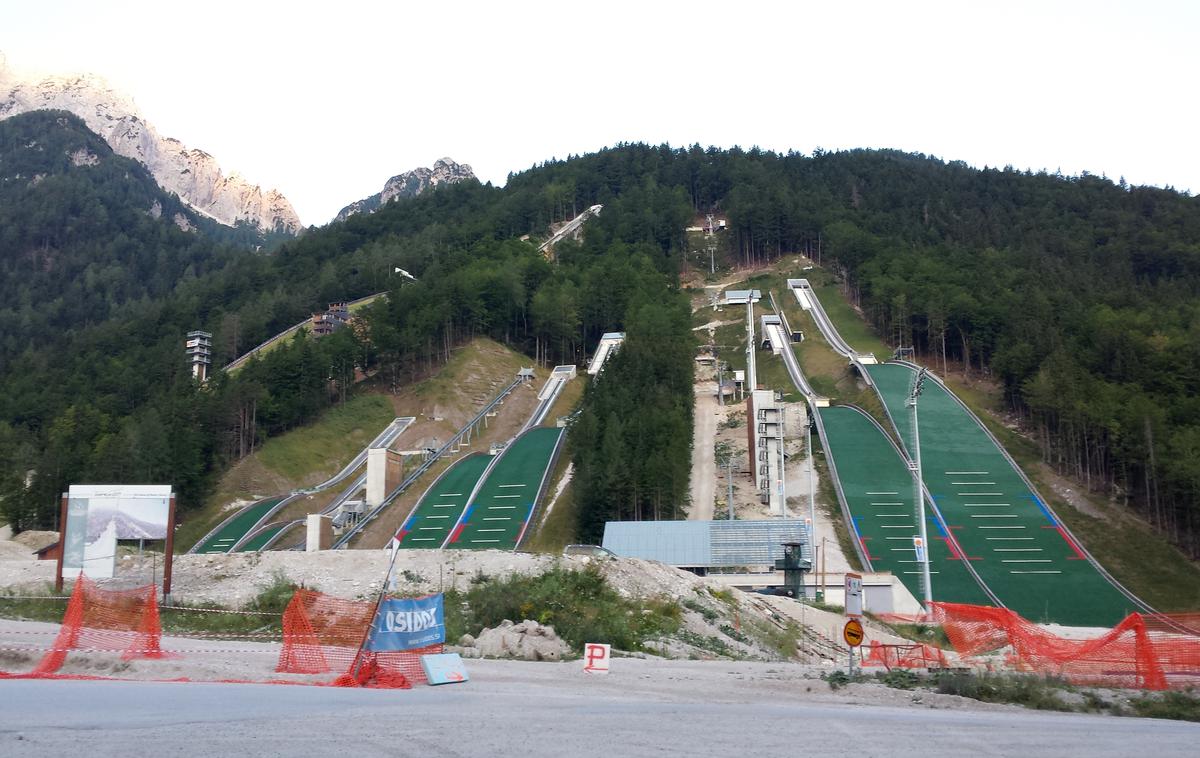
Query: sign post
{"x": 853, "y": 631}
{"x": 596, "y": 657}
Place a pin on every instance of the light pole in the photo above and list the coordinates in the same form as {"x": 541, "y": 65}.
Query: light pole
{"x": 915, "y": 466}
{"x": 812, "y": 493}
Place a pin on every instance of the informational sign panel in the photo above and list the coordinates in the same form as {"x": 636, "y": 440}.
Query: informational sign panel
{"x": 854, "y": 593}
{"x": 919, "y": 549}
{"x": 75, "y": 534}
{"x": 407, "y": 624}
{"x": 444, "y": 668}
{"x": 596, "y": 657}
{"x": 100, "y": 514}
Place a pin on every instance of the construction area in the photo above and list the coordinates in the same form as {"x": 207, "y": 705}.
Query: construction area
{"x": 800, "y": 487}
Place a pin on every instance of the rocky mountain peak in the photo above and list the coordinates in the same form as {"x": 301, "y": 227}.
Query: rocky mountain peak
{"x": 191, "y": 174}
{"x": 410, "y": 184}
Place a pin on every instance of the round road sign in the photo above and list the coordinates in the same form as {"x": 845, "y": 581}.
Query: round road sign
{"x": 853, "y": 633}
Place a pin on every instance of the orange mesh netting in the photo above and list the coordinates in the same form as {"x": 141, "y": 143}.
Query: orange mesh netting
{"x": 1148, "y": 652}
{"x": 912, "y": 656}
{"x": 323, "y": 634}
{"x": 99, "y": 619}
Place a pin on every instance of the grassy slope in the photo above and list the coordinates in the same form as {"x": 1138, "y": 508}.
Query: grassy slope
{"x": 301, "y": 457}
{"x": 308, "y": 455}
{"x": 1125, "y": 545}
{"x": 324, "y": 447}
{"x": 561, "y": 527}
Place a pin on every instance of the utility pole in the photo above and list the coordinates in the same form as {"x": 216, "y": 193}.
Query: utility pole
{"x": 781, "y": 446}
{"x": 720, "y": 385}
{"x": 812, "y": 495}
{"x": 729, "y": 483}
{"x": 751, "y": 379}
{"x": 918, "y": 490}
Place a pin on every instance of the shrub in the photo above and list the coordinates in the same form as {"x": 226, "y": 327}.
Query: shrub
{"x": 579, "y": 604}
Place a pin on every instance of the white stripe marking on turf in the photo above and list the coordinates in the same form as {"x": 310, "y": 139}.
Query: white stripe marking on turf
{"x": 1026, "y": 560}
{"x": 967, "y": 473}
{"x": 1035, "y": 572}
{"x": 512, "y": 485}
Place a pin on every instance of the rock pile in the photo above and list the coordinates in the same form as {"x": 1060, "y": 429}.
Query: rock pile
{"x": 528, "y": 640}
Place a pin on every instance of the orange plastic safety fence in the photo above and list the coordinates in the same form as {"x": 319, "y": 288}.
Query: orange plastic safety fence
{"x": 1148, "y": 652}
{"x": 916, "y": 655}
{"x": 100, "y": 619}
{"x": 323, "y": 634}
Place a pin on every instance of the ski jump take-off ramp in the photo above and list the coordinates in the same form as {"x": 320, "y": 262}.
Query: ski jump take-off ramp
{"x": 489, "y": 501}
{"x": 995, "y": 540}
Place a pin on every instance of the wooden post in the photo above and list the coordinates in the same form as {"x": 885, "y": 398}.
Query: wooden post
{"x": 62, "y": 545}
{"x": 169, "y": 557}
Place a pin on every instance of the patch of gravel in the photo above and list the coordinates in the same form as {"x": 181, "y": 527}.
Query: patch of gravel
{"x": 716, "y": 622}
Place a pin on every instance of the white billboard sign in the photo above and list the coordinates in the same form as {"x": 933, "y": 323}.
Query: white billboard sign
{"x": 100, "y": 514}
{"x": 854, "y": 593}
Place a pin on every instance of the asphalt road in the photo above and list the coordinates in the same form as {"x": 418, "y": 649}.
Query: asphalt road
{"x": 528, "y": 710}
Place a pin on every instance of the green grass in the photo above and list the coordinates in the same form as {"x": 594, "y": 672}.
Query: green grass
{"x": 327, "y": 445}
{"x": 1177, "y": 706}
{"x": 857, "y": 332}
{"x": 580, "y": 605}
{"x": 265, "y": 617}
{"x": 561, "y": 527}
{"x": 1038, "y": 693}
{"x": 303, "y": 455}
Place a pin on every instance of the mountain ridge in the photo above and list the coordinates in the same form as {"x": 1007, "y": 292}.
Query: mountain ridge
{"x": 190, "y": 173}
{"x": 410, "y": 184}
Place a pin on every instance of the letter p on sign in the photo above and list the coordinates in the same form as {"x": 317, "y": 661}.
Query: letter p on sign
{"x": 595, "y": 658}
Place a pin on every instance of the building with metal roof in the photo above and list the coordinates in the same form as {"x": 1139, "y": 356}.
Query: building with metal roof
{"x": 741, "y": 297}
{"x": 706, "y": 544}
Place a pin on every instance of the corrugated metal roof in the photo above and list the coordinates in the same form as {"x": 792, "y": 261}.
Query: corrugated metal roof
{"x": 678, "y": 543}
{"x": 741, "y": 296}
{"x": 704, "y": 543}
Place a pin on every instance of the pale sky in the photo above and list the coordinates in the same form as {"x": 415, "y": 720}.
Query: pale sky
{"x": 325, "y": 101}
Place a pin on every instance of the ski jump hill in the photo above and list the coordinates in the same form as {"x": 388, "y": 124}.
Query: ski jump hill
{"x": 995, "y": 539}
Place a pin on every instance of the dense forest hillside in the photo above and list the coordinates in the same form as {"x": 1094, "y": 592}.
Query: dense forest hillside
{"x": 1079, "y": 294}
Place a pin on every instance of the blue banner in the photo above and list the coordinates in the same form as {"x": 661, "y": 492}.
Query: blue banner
{"x": 407, "y": 624}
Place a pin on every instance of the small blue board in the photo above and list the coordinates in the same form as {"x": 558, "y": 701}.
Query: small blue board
{"x": 444, "y": 668}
